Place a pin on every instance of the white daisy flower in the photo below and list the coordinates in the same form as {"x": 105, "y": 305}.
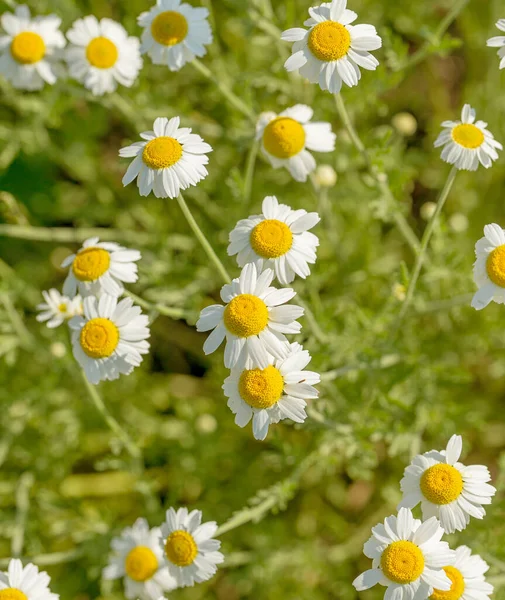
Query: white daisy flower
{"x": 466, "y": 143}
{"x": 190, "y": 552}
{"x": 102, "y": 55}
{"x": 25, "y": 583}
{"x": 332, "y": 50}
{"x": 29, "y": 49}
{"x": 100, "y": 266}
{"x": 287, "y": 138}
{"x": 446, "y": 488}
{"x": 253, "y": 320}
{"x": 278, "y": 239}
{"x": 269, "y": 395}
{"x": 110, "y": 338}
{"x": 58, "y": 308}
{"x": 408, "y": 557}
{"x": 499, "y": 42}
{"x": 489, "y": 267}
{"x": 467, "y": 578}
{"x": 174, "y": 33}
{"x": 139, "y": 559}
{"x": 170, "y": 160}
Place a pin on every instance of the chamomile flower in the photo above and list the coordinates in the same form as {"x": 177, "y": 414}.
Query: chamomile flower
{"x": 467, "y": 143}
{"x": 190, "y": 552}
{"x": 408, "y": 557}
{"x": 102, "y": 55}
{"x": 170, "y": 160}
{"x": 100, "y": 266}
{"x": 25, "y": 583}
{"x": 174, "y": 33}
{"x": 252, "y": 321}
{"x": 30, "y": 48}
{"x": 110, "y": 338}
{"x": 287, "y": 138}
{"x": 446, "y": 488}
{"x": 138, "y": 559}
{"x": 57, "y": 308}
{"x": 499, "y": 42}
{"x": 278, "y": 239}
{"x": 489, "y": 267}
{"x": 332, "y": 50}
{"x": 279, "y": 391}
{"x": 467, "y": 578}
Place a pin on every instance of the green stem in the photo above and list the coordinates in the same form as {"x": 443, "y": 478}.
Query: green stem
{"x": 168, "y": 311}
{"x": 426, "y": 240}
{"x": 46, "y": 560}
{"x": 202, "y": 239}
{"x": 22, "y": 506}
{"x": 70, "y": 235}
{"x": 249, "y": 171}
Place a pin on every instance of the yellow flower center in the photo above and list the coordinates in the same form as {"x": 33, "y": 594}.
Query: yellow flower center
{"x": 457, "y": 586}
{"x": 162, "y": 152}
{"x": 468, "y": 136}
{"x": 181, "y": 548}
{"x": 141, "y": 563}
{"x": 245, "y": 315}
{"x": 495, "y": 266}
{"x": 102, "y": 53}
{"x": 99, "y": 338}
{"x": 62, "y": 307}
{"x": 90, "y": 264}
{"x": 12, "y": 594}
{"x": 261, "y": 388}
{"x": 284, "y": 137}
{"x": 329, "y": 41}
{"x": 441, "y": 484}
{"x": 271, "y": 238}
{"x": 28, "y": 48}
{"x": 169, "y": 28}
{"x": 402, "y": 562}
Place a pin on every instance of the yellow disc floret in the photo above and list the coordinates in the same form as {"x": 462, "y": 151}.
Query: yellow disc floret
{"x": 245, "y": 315}
{"x": 141, "y": 563}
{"x": 457, "y": 586}
{"x": 495, "y": 266}
{"x": 181, "y": 548}
{"x": 169, "y": 28}
{"x": 12, "y": 594}
{"x": 402, "y": 562}
{"x": 162, "y": 152}
{"x": 284, "y": 137}
{"x": 90, "y": 264}
{"x": 468, "y": 136}
{"x": 441, "y": 484}
{"x": 102, "y": 53}
{"x": 329, "y": 41}
{"x": 99, "y": 338}
{"x": 62, "y": 308}
{"x": 261, "y": 388}
{"x": 28, "y": 48}
{"x": 271, "y": 238}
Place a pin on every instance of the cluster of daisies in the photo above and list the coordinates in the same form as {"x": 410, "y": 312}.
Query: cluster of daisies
{"x": 408, "y": 556}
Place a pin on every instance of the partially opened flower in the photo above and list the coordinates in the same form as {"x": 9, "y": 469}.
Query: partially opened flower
{"x": 174, "y": 33}
{"x": 191, "y": 553}
{"x": 280, "y": 391}
{"x": 138, "y": 559}
{"x": 57, "y": 308}
{"x": 447, "y": 488}
{"x": 30, "y": 48}
{"x": 489, "y": 267}
{"x": 332, "y": 50}
{"x": 170, "y": 160}
{"x": 499, "y": 42}
{"x": 408, "y": 557}
{"x": 25, "y": 583}
{"x": 102, "y": 55}
{"x": 252, "y": 320}
{"x": 278, "y": 239}
{"x": 467, "y": 143}
{"x": 287, "y": 138}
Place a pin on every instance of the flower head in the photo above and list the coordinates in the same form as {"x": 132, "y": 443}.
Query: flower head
{"x": 499, "y": 42}
{"x": 101, "y": 55}
{"x": 25, "y": 583}
{"x": 57, "y": 308}
{"x": 489, "y": 267}
{"x": 30, "y": 48}
{"x": 446, "y": 488}
{"x": 467, "y": 143}
{"x": 332, "y": 50}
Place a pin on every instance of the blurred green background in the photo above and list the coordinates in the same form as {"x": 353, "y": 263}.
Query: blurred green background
{"x": 65, "y": 479}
